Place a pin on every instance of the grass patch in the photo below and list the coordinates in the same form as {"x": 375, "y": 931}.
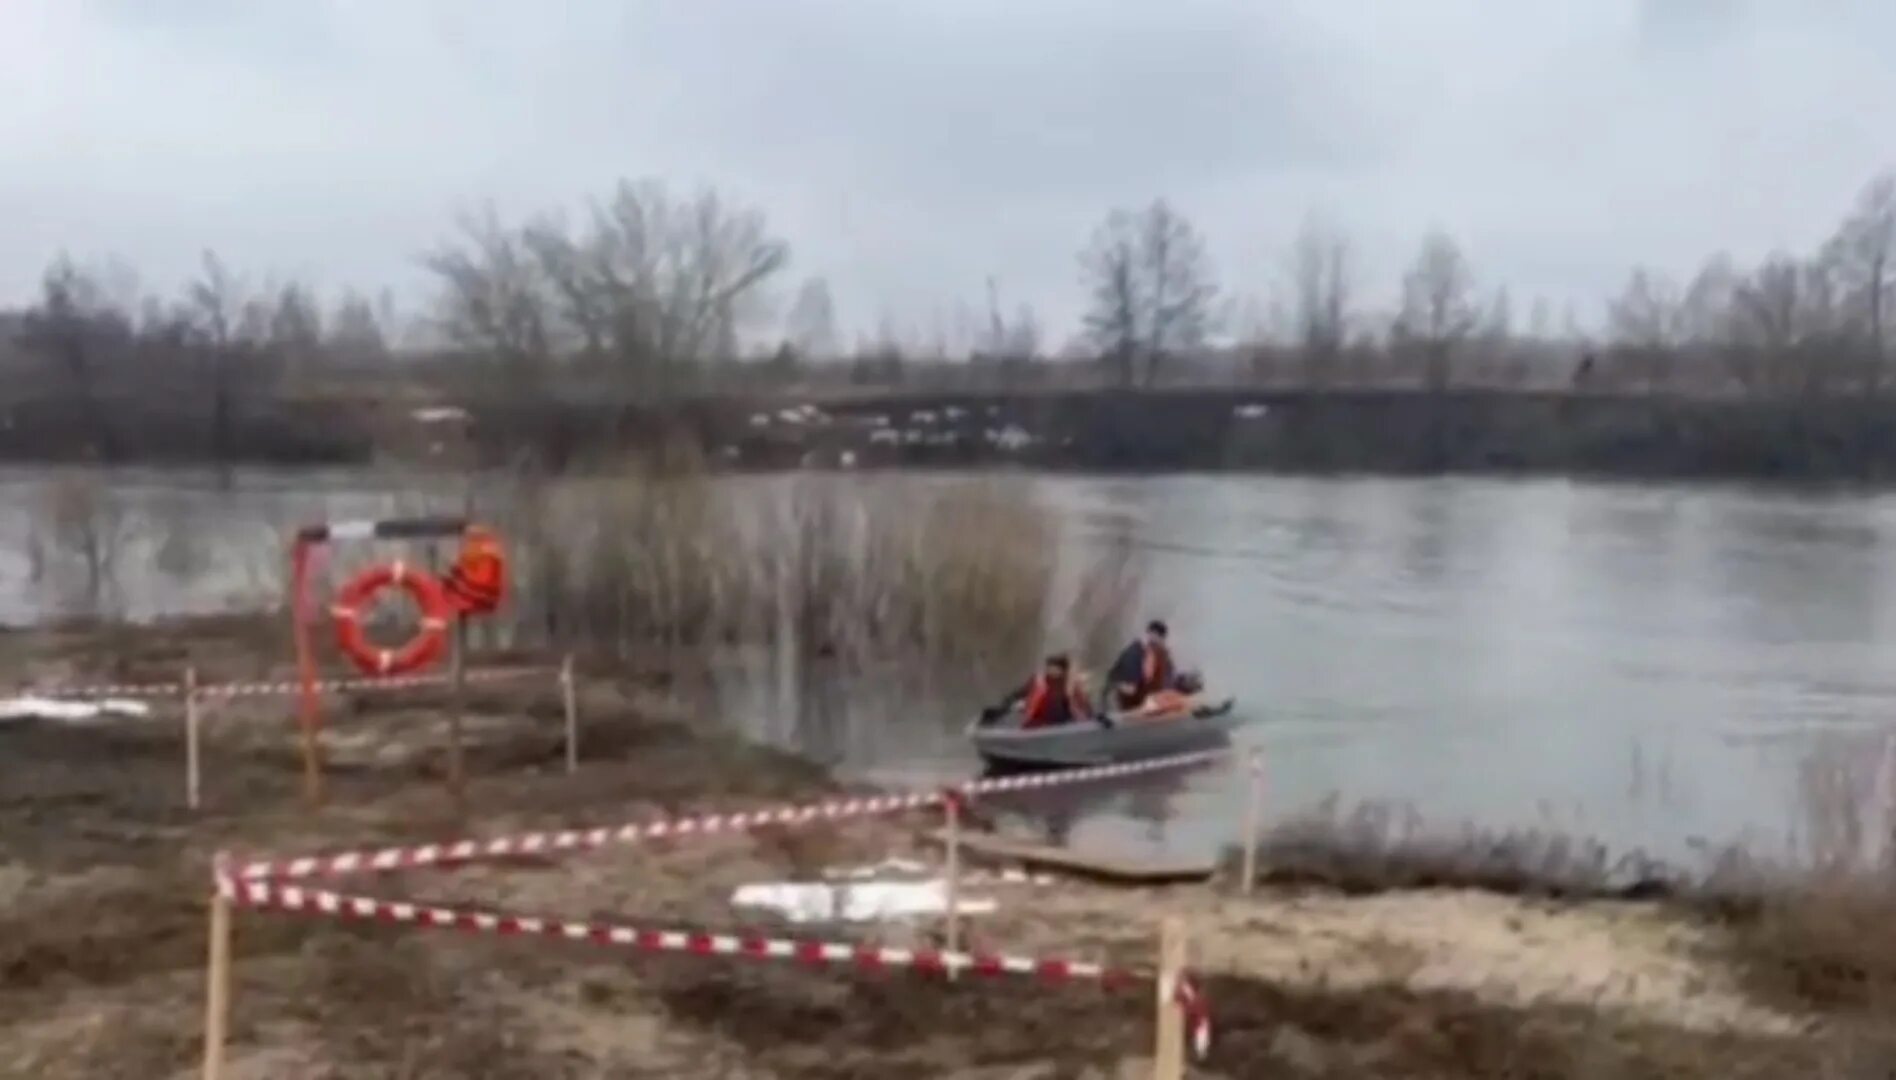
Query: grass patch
{"x": 1828, "y": 945}
{"x": 1379, "y": 847}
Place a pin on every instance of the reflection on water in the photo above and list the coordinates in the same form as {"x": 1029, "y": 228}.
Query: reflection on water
{"x": 1655, "y": 666}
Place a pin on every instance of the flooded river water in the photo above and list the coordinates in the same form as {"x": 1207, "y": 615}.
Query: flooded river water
{"x": 1657, "y": 667}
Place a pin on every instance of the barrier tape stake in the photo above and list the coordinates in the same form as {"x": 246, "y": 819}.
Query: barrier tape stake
{"x": 951, "y": 807}
{"x": 192, "y": 759}
{"x": 308, "y": 704}
{"x": 217, "y": 984}
{"x": 1253, "y": 815}
{"x": 1168, "y": 1058}
{"x": 570, "y": 699}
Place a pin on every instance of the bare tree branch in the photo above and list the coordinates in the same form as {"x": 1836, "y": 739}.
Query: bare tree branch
{"x": 1321, "y": 280}
{"x": 1438, "y": 306}
{"x": 810, "y": 326}
{"x": 1863, "y": 255}
{"x": 1646, "y": 324}
{"x": 1151, "y": 287}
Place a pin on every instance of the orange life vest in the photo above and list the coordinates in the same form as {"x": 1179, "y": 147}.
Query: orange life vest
{"x": 1039, "y": 708}
{"x": 478, "y": 579}
{"x": 1156, "y": 673}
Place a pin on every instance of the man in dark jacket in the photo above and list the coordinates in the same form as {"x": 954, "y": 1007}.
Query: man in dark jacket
{"x": 1143, "y": 669}
{"x": 1052, "y": 697}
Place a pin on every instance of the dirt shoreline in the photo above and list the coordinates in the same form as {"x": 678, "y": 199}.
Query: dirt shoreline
{"x": 104, "y": 876}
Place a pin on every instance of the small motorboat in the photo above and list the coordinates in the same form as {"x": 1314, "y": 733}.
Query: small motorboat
{"x": 1168, "y": 723}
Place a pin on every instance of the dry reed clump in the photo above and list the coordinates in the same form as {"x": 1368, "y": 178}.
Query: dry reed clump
{"x": 1821, "y": 930}
{"x": 1846, "y": 792}
{"x": 79, "y": 531}
{"x": 1104, "y": 597}
{"x": 1375, "y": 847}
{"x": 816, "y": 566}
{"x": 1828, "y": 942}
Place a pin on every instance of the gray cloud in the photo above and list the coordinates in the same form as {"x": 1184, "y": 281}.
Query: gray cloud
{"x": 910, "y": 149}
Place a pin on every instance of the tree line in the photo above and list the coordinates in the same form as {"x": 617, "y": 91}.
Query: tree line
{"x": 649, "y": 292}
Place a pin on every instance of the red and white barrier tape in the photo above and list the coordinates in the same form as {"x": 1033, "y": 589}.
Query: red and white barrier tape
{"x": 384, "y": 682}
{"x": 276, "y": 896}
{"x": 564, "y": 841}
{"x": 1191, "y": 1001}
{"x": 296, "y": 899}
{"x": 570, "y": 840}
{"x": 327, "y": 686}
{"x": 128, "y": 690}
{"x": 1034, "y": 781}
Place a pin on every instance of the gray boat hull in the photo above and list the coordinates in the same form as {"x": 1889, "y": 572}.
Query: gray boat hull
{"x": 1077, "y": 745}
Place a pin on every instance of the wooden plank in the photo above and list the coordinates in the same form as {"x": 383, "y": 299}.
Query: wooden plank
{"x": 1105, "y": 867}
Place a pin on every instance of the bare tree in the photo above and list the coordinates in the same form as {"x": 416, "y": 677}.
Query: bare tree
{"x": 494, "y": 301}
{"x": 654, "y": 286}
{"x": 1786, "y": 327}
{"x": 229, "y": 326}
{"x": 1321, "y": 279}
{"x": 1540, "y": 320}
{"x": 1646, "y": 324}
{"x": 76, "y": 327}
{"x": 1021, "y": 339}
{"x": 1439, "y": 310}
{"x": 1495, "y": 338}
{"x": 356, "y": 332}
{"x": 1113, "y": 324}
{"x": 810, "y": 326}
{"x": 679, "y": 277}
{"x": 1151, "y": 286}
{"x": 1006, "y": 346}
{"x": 1705, "y": 309}
{"x": 295, "y": 331}
{"x": 880, "y": 360}
{"x": 1863, "y": 254}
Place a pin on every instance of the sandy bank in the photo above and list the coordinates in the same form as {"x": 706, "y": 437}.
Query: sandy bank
{"x": 103, "y": 876}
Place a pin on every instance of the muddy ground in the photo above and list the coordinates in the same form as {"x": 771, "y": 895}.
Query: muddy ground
{"x": 104, "y": 876}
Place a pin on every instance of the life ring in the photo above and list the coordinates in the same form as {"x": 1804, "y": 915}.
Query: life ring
{"x": 419, "y": 651}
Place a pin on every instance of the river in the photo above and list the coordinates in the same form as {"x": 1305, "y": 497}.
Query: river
{"x": 1664, "y": 668}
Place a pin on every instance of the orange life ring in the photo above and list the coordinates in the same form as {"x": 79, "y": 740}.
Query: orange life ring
{"x": 429, "y": 642}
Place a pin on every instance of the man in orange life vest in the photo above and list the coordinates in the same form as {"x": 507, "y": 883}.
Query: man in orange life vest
{"x": 1143, "y": 669}
{"x": 1052, "y": 697}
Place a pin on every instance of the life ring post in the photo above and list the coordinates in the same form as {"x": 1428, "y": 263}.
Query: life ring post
{"x": 475, "y": 585}
{"x": 309, "y": 702}
{"x": 457, "y": 759}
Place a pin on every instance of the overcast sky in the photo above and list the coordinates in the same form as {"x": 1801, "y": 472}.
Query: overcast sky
{"x": 908, "y": 150}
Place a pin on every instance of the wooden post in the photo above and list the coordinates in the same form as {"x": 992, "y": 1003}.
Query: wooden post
{"x": 217, "y": 987}
{"x": 457, "y": 709}
{"x": 570, "y": 699}
{"x": 1253, "y": 815}
{"x": 952, "y": 807}
{"x": 457, "y": 706}
{"x": 309, "y": 702}
{"x": 192, "y": 759}
{"x": 1168, "y": 1057}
